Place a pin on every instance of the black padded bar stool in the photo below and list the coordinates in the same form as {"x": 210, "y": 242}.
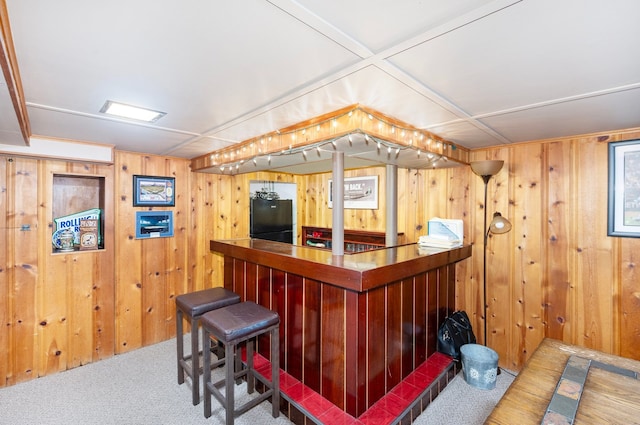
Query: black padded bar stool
{"x": 192, "y": 306}
{"x": 230, "y": 326}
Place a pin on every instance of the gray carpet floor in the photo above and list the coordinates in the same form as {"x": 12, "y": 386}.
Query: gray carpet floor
{"x": 140, "y": 388}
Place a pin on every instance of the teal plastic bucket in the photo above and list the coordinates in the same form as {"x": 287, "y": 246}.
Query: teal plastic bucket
{"x": 479, "y": 366}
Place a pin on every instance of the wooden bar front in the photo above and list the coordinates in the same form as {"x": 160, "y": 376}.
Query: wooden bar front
{"x": 352, "y": 326}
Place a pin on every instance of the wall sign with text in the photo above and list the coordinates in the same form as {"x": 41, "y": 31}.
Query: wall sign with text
{"x": 359, "y": 193}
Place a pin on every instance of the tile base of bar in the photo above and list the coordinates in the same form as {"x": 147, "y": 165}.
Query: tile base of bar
{"x": 402, "y": 405}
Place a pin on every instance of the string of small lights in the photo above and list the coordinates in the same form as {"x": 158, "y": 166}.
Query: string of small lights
{"x": 335, "y": 133}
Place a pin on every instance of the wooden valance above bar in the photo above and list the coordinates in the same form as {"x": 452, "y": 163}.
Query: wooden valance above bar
{"x": 360, "y": 272}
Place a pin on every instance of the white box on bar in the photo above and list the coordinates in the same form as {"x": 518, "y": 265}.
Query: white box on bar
{"x": 446, "y": 228}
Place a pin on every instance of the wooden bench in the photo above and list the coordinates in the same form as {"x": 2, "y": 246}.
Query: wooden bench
{"x": 608, "y": 395}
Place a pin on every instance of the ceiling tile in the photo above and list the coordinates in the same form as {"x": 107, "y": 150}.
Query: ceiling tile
{"x": 370, "y": 87}
{"x": 380, "y": 24}
{"x": 471, "y": 135}
{"x": 531, "y": 52}
{"x": 73, "y": 127}
{"x": 217, "y": 61}
{"x": 589, "y": 115}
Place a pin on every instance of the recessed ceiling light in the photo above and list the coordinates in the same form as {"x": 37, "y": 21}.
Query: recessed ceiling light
{"x": 132, "y": 112}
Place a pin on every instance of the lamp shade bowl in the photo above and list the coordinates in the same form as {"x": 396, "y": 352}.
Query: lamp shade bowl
{"x": 499, "y": 224}
{"x": 489, "y": 167}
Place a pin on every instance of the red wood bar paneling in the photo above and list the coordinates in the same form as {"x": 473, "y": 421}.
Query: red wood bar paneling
{"x": 356, "y": 373}
{"x": 432, "y": 312}
{"x": 312, "y": 337}
{"x": 421, "y": 318}
{"x": 333, "y": 344}
{"x": 295, "y": 325}
{"x": 408, "y": 327}
{"x": 351, "y": 347}
{"x": 393, "y": 309}
{"x": 377, "y": 341}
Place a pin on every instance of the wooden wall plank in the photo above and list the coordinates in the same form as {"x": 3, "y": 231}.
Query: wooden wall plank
{"x": 459, "y": 207}
{"x": 23, "y": 182}
{"x": 630, "y": 298}
{"x": 75, "y": 274}
{"x": 154, "y": 263}
{"x": 527, "y": 220}
{"x": 559, "y": 299}
{"x": 129, "y": 252}
{"x": 177, "y": 264}
{"x": 627, "y": 294}
{"x": 47, "y": 360}
{"x": 407, "y": 188}
{"x": 435, "y": 192}
{"x": 470, "y": 299}
{"x": 595, "y": 326}
{"x": 223, "y": 222}
{"x": 104, "y": 273}
{"x": 205, "y": 269}
{"x": 103, "y": 305}
{"x": 6, "y": 369}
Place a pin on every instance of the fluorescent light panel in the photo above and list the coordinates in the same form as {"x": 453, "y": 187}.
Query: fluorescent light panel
{"x": 131, "y": 112}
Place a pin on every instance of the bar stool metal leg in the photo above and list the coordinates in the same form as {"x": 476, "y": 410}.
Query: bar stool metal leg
{"x": 180, "y": 354}
{"x": 251, "y": 380}
{"x": 206, "y": 375}
{"x": 195, "y": 360}
{"x": 195, "y": 355}
{"x": 229, "y": 380}
{"x": 275, "y": 372}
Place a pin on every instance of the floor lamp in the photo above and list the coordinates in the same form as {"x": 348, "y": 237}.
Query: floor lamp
{"x": 498, "y": 225}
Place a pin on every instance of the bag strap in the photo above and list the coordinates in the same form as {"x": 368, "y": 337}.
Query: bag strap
{"x": 461, "y": 322}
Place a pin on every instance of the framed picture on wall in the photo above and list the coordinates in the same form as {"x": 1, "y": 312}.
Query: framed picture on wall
{"x": 150, "y": 191}
{"x": 624, "y": 189}
{"x": 154, "y": 224}
{"x": 359, "y": 193}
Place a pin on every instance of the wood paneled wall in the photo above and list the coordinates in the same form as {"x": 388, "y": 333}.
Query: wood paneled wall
{"x": 149, "y": 272}
{"x": 57, "y": 309}
{"x": 555, "y": 274}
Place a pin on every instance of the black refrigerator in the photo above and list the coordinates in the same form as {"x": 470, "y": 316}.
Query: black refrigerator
{"x": 272, "y": 219}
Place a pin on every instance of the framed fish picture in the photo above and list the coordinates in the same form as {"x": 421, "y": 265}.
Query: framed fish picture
{"x": 150, "y": 191}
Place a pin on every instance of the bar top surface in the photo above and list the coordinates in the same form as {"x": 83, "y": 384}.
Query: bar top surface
{"x": 357, "y": 271}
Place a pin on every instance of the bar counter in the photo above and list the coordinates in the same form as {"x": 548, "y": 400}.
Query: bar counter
{"x": 352, "y": 326}
{"x": 360, "y": 271}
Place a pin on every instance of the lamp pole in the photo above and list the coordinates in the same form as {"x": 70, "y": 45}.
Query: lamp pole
{"x": 486, "y": 169}
{"x": 486, "y": 179}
